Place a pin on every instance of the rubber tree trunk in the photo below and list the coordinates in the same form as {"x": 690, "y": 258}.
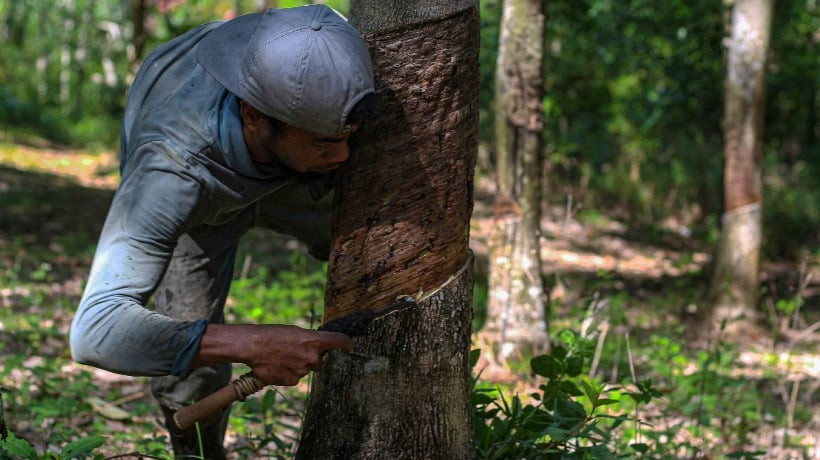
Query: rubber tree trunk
{"x": 735, "y": 282}
{"x": 139, "y": 11}
{"x": 401, "y": 227}
{"x": 85, "y": 20}
{"x": 67, "y": 48}
{"x": 516, "y": 321}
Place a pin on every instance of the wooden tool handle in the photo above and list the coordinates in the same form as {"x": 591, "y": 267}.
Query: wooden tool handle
{"x": 210, "y": 405}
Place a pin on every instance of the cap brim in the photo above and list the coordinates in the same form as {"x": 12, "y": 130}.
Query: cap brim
{"x": 221, "y": 52}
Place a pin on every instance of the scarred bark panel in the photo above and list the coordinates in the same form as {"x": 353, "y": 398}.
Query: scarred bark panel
{"x": 404, "y": 229}
{"x": 745, "y": 102}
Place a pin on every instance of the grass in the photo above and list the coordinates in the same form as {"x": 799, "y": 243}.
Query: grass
{"x": 753, "y": 398}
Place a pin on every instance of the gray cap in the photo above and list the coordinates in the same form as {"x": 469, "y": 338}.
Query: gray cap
{"x": 305, "y": 66}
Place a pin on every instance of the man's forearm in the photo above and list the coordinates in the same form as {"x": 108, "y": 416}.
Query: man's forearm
{"x": 224, "y": 343}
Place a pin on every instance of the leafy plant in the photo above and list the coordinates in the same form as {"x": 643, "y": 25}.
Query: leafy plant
{"x": 269, "y": 422}
{"x": 568, "y": 418}
{"x": 289, "y": 295}
{"x": 16, "y": 448}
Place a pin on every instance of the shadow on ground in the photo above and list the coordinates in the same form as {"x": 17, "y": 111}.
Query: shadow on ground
{"x": 39, "y": 207}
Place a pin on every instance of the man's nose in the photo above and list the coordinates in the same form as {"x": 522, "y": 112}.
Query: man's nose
{"x": 339, "y": 152}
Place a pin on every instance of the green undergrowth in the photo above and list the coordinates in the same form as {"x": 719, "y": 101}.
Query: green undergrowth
{"x": 673, "y": 404}
{"x": 645, "y": 389}
{"x": 650, "y": 395}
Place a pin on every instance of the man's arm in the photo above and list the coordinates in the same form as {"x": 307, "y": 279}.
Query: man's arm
{"x": 112, "y": 329}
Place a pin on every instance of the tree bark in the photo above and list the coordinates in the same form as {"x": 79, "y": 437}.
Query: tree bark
{"x": 138, "y": 14}
{"x": 401, "y": 227}
{"x": 67, "y": 52}
{"x": 85, "y": 19}
{"x": 516, "y": 321}
{"x": 735, "y": 282}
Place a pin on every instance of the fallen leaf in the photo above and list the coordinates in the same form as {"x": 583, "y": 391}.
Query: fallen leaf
{"x": 107, "y": 410}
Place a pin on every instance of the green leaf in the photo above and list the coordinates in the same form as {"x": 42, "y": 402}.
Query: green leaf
{"x": 17, "y": 448}
{"x": 556, "y": 433}
{"x": 474, "y": 355}
{"x": 575, "y": 366}
{"x": 590, "y": 390}
{"x": 618, "y": 420}
{"x": 604, "y": 402}
{"x": 639, "y": 447}
{"x": 570, "y": 388}
{"x": 534, "y": 421}
{"x": 604, "y": 436}
{"x": 481, "y": 430}
{"x": 550, "y": 390}
{"x": 571, "y": 410}
{"x": 81, "y": 446}
{"x": 637, "y": 397}
{"x": 545, "y": 366}
{"x": 567, "y": 336}
{"x": 268, "y": 399}
{"x": 482, "y": 398}
{"x": 107, "y": 409}
{"x": 559, "y": 353}
{"x": 485, "y": 415}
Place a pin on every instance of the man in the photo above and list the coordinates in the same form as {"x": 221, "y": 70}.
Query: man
{"x": 232, "y": 125}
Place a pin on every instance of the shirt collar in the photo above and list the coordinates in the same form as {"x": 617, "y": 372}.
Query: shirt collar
{"x": 232, "y": 143}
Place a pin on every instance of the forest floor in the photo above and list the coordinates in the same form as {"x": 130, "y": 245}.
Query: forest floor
{"x": 54, "y": 201}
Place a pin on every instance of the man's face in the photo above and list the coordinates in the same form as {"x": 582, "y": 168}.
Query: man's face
{"x": 301, "y": 150}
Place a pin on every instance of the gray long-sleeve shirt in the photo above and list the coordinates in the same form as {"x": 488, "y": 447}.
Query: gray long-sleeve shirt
{"x": 184, "y": 165}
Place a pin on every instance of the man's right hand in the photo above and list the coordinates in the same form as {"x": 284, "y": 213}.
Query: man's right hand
{"x": 277, "y": 354}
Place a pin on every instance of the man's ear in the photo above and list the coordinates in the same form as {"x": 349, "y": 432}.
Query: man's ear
{"x": 252, "y": 118}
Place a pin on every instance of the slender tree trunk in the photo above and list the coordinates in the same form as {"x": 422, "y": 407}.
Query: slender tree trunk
{"x": 735, "y": 283}
{"x": 85, "y": 21}
{"x": 42, "y": 62}
{"x": 66, "y": 52}
{"x": 15, "y": 23}
{"x": 401, "y": 227}
{"x": 138, "y": 13}
{"x": 516, "y": 320}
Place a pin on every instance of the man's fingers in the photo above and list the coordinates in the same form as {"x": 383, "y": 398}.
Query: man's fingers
{"x": 335, "y": 340}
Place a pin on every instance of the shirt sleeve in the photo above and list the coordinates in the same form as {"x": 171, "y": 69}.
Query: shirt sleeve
{"x": 113, "y": 329}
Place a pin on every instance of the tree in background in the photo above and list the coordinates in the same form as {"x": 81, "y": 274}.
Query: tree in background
{"x": 138, "y": 12}
{"x": 516, "y": 320}
{"x": 401, "y": 227}
{"x": 735, "y": 281}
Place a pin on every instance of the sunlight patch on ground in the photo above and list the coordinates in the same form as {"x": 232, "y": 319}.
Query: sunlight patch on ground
{"x": 98, "y": 170}
{"x": 790, "y": 365}
{"x": 662, "y": 263}
{"x": 579, "y": 249}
